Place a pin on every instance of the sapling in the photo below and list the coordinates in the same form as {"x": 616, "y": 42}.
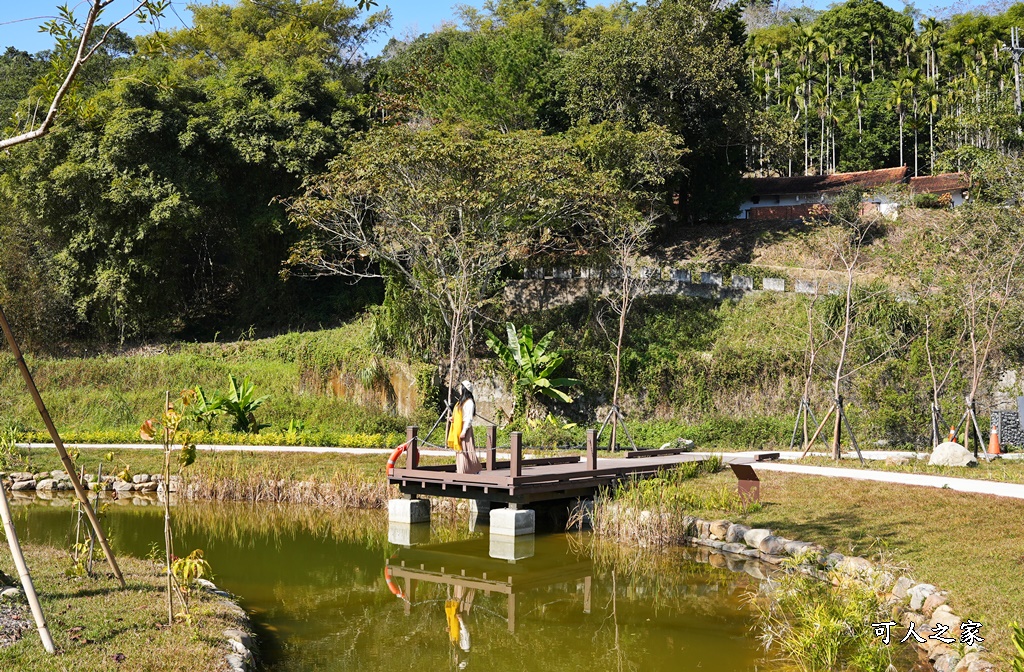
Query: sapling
{"x": 173, "y": 427}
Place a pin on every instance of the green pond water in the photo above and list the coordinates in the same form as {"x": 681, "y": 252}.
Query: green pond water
{"x": 315, "y": 585}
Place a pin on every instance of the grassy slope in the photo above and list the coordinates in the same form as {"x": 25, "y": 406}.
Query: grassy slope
{"x": 107, "y": 397}
{"x": 726, "y": 375}
{"x": 113, "y": 621}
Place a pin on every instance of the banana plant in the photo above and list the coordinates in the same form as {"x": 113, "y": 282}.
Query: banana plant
{"x": 530, "y": 364}
{"x": 205, "y": 407}
{"x": 241, "y": 403}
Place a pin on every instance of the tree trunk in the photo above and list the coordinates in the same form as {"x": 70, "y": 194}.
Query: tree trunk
{"x": 901, "y": 139}
{"x": 618, "y": 358}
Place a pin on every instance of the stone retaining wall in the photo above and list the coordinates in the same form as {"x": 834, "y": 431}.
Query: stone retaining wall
{"x": 549, "y": 288}
{"x": 58, "y": 480}
{"x": 1010, "y": 431}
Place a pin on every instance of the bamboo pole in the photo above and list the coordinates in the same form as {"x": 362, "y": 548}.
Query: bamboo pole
{"x": 23, "y": 574}
{"x": 65, "y": 459}
{"x": 167, "y": 510}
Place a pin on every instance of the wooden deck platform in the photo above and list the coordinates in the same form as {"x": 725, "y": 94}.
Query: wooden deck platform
{"x": 524, "y": 481}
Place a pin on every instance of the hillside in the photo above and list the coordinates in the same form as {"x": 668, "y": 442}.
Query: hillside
{"x": 727, "y": 373}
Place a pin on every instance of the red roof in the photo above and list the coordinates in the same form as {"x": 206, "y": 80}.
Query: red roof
{"x": 935, "y": 184}
{"x": 811, "y": 184}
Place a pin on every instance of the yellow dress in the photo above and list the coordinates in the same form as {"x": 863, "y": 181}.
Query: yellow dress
{"x": 456, "y": 429}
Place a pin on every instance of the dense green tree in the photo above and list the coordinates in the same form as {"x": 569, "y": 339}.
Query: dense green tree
{"x": 159, "y": 195}
{"x": 676, "y": 64}
{"x": 19, "y": 72}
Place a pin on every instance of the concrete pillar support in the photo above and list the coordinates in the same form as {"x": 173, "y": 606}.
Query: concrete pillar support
{"x": 513, "y": 522}
{"x": 409, "y": 511}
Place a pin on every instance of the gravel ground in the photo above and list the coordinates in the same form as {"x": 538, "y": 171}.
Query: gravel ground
{"x": 15, "y": 621}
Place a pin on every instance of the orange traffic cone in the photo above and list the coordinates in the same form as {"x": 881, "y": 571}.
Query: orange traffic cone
{"x": 993, "y": 442}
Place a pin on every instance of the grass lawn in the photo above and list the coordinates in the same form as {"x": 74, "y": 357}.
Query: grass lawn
{"x": 99, "y": 627}
{"x": 967, "y": 544}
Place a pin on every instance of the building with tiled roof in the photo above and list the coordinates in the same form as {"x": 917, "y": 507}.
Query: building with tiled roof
{"x": 793, "y": 197}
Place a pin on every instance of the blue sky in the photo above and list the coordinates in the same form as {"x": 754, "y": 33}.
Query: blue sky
{"x": 20, "y": 19}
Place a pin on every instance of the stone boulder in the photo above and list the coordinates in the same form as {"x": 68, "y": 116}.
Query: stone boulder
{"x": 951, "y": 454}
{"x": 753, "y": 537}
{"x": 933, "y": 602}
{"x": 24, "y": 485}
{"x": 123, "y": 486}
{"x": 140, "y": 478}
{"x": 903, "y": 584}
{"x": 945, "y": 616}
{"x": 719, "y": 528}
{"x": 832, "y": 560}
{"x": 918, "y": 594}
{"x": 772, "y": 545}
{"x": 735, "y": 533}
{"x": 946, "y": 662}
{"x": 22, "y": 476}
{"x": 46, "y": 484}
{"x": 853, "y": 566}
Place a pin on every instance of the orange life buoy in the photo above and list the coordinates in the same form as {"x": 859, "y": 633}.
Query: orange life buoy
{"x": 398, "y": 451}
{"x": 395, "y": 590}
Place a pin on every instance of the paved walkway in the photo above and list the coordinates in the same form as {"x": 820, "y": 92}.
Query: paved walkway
{"x": 973, "y": 485}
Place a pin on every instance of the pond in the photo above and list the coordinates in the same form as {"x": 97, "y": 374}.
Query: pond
{"x": 327, "y": 591}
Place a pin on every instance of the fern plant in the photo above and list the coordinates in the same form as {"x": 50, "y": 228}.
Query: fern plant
{"x": 530, "y": 365}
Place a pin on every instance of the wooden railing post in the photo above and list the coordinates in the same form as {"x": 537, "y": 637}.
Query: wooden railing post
{"x": 517, "y": 454}
{"x": 492, "y": 444}
{"x": 591, "y": 449}
{"x": 410, "y": 451}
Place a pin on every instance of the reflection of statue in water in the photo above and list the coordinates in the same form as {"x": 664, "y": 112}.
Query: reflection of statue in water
{"x": 455, "y": 608}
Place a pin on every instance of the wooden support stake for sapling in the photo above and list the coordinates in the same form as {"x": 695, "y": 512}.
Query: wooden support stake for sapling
{"x": 24, "y": 575}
